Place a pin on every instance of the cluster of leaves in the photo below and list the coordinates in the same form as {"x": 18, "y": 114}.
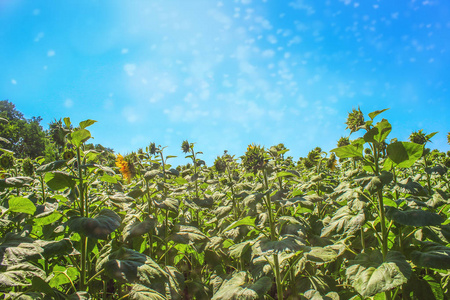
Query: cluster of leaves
{"x": 92, "y": 225}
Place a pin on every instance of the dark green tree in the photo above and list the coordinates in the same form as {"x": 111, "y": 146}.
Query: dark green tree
{"x": 26, "y": 136}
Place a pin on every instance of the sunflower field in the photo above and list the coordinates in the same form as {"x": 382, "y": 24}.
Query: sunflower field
{"x": 368, "y": 220}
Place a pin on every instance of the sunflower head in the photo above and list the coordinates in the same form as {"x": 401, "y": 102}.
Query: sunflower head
{"x": 68, "y": 154}
{"x": 185, "y": 146}
{"x": 126, "y": 167}
{"x": 331, "y": 162}
{"x": 355, "y": 120}
{"x": 447, "y": 162}
{"x": 448, "y": 138}
{"x": 6, "y": 161}
{"x": 220, "y": 164}
{"x": 254, "y": 158}
{"x": 314, "y": 155}
{"x": 152, "y": 149}
{"x": 418, "y": 137}
{"x": 307, "y": 163}
{"x": 28, "y": 167}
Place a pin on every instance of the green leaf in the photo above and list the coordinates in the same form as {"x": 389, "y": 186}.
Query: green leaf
{"x": 99, "y": 227}
{"x": 413, "y": 217}
{"x": 287, "y": 174}
{"x": 129, "y": 266}
{"x": 58, "y": 180}
{"x": 141, "y": 292}
{"x": 432, "y": 255}
{"x": 79, "y": 136}
{"x": 239, "y": 250}
{"x": 403, "y": 154}
{"x": 175, "y": 285}
{"x": 315, "y": 295}
{"x": 372, "y": 115}
{"x": 55, "y": 248}
{"x": 238, "y": 288}
{"x": 247, "y": 221}
{"x": 86, "y": 123}
{"x": 16, "y": 182}
{"x": 378, "y": 133}
{"x": 344, "y": 220}
{"x": 47, "y": 219}
{"x": 19, "y": 275}
{"x": 184, "y": 234}
{"x": 408, "y": 186}
{"x": 325, "y": 254}
{"x": 62, "y": 275}
{"x": 369, "y": 275}
{"x": 21, "y": 205}
{"x": 39, "y": 284}
{"x": 349, "y": 151}
{"x": 108, "y": 178}
{"x": 51, "y": 166}
{"x": 67, "y": 122}
{"x": 139, "y": 228}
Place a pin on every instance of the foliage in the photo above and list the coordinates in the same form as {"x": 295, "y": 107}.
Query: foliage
{"x": 90, "y": 224}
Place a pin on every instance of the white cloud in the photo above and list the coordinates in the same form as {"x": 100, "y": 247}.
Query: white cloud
{"x": 68, "y": 103}
{"x": 124, "y": 51}
{"x": 130, "y": 114}
{"x": 36, "y": 12}
{"x": 39, "y": 36}
{"x": 300, "y": 5}
{"x": 13, "y": 81}
{"x": 51, "y": 53}
{"x": 272, "y": 39}
{"x": 268, "y": 53}
{"x": 129, "y": 69}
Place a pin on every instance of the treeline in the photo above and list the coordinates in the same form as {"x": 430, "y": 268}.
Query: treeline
{"x": 27, "y": 138}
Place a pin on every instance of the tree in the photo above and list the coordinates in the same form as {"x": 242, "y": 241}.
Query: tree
{"x": 26, "y": 136}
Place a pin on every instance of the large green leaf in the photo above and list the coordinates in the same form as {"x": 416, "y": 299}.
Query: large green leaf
{"x": 325, "y": 254}
{"x": 170, "y": 204}
{"x": 349, "y": 151}
{"x": 247, "y": 221}
{"x": 287, "y": 243}
{"x": 53, "y": 166}
{"x": 129, "y": 266}
{"x": 409, "y": 186}
{"x": 413, "y": 217}
{"x": 21, "y": 205}
{"x": 344, "y": 220}
{"x": 175, "y": 284}
{"x": 188, "y": 235}
{"x": 403, "y": 154}
{"x": 369, "y": 275}
{"x": 432, "y": 255}
{"x": 58, "y": 180}
{"x": 86, "y": 123}
{"x": 79, "y": 136}
{"x": 315, "y": 295}
{"x": 17, "y": 182}
{"x": 238, "y": 288}
{"x": 378, "y": 133}
{"x": 99, "y": 227}
{"x": 373, "y": 114}
{"x": 141, "y": 292}
{"x": 55, "y": 248}
{"x": 19, "y": 274}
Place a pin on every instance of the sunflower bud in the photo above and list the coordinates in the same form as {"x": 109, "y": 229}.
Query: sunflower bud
{"x": 220, "y": 164}
{"x": 152, "y": 149}
{"x": 355, "y": 120}
{"x": 448, "y": 138}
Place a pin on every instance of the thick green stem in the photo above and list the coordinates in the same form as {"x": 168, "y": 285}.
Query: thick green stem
{"x": 82, "y": 213}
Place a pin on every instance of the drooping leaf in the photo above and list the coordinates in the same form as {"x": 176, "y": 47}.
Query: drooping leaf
{"x": 403, "y": 154}
{"x": 315, "y": 295}
{"x": 436, "y": 170}
{"x": 99, "y": 227}
{"x": 141, "y": 292}
{"x": 129, "y": 266}
{"x": 138, "y": 228}
{"x": 432, "y": 255}
{"x": 175, "y": 284}
{"x": 287, "y": 243}
{"x": 170, "y": 204}
{"x": 19, "y": 274}
{"x": 53, "y": 166}
{"x": 247, "y": 221}
{"x": 21, "y": 205}
{"x": 55, "y": 248}
{"x": 413, "y": 217}
{"x": 369, "y": 275}
{"x": 325, "y": 254}
{"x": 108, "y": 178}
{"x": 409, "y": 186}
{"x": 344, "y": 220}
{"x": 184, "y": 234}
{"x": 240, "y": 249}
{"x": 17, "y": 182}
{"x": 238, "y": 288}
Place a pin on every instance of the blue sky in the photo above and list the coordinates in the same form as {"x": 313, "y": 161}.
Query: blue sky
{"x": 224, "y": 74}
